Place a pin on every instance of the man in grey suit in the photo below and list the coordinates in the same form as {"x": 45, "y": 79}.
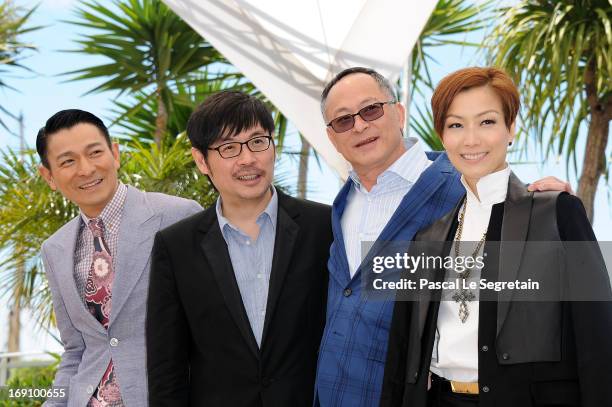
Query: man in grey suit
{"x": 97, "y": 265}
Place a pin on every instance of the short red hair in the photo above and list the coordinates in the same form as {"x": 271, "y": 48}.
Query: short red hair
{"x": 467, "y": 78}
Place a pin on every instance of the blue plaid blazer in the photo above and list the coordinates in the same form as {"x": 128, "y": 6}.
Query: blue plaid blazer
{"x": 354, "y": 345}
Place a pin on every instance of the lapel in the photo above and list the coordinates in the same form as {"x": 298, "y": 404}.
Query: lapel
{"x": 517, "y": 212}
{"x": 137, "y": 230}
{"x": 61, "y": 255}
{"x": 215, "y": 250}
{"x": 421, "y": 192}
{"x": 339, "y": 268}
{"x": 284, "y": 243}
{"x": 438, "y": 232}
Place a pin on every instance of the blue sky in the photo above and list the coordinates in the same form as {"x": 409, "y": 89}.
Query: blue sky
{"x": 43, "y": 93}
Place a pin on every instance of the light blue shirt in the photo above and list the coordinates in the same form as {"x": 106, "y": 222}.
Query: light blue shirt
{"x": 368, "y": 212}
{"x": 252, "y": 261}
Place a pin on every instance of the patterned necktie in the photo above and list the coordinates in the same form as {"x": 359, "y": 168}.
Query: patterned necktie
{"x": 98, "y": 296}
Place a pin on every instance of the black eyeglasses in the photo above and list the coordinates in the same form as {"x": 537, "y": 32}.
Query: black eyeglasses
{"x": 234, "y": 148}
{"x": 368, "y": 113}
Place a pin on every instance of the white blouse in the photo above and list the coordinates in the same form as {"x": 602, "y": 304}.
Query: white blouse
{"x": 455, "y": 353}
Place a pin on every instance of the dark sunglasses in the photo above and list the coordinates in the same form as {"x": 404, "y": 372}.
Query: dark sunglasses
{"x": 234, "y": 148}
{"x": 368, "y": 113}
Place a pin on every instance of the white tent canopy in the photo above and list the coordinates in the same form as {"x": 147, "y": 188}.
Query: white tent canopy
{"x": 290, "y": 49}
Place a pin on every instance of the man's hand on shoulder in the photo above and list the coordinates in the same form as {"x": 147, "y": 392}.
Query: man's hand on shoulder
{"x": 550, "y": 184}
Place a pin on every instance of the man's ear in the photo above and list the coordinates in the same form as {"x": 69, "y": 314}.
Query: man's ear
{"x": 115, "y": 151}
{"x": 401, "y": 114}
{"x": 46, "y": 174}
{"x": 200, "y": 161}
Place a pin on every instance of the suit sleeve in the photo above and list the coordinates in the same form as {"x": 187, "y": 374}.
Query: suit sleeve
{"x": 72, "y": 339}
{"x": 592, "y": 320}
{"x": 167, "y": 334}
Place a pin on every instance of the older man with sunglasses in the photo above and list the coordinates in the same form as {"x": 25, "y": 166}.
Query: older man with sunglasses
{"x": 394, "y": 189}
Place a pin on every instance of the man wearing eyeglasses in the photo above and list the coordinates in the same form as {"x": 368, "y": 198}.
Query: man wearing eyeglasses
{"x": 237, "y": 294}
{"x": 395, "y": 188}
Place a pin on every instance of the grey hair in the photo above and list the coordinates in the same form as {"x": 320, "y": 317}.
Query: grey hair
{"x": 383, "y": 83}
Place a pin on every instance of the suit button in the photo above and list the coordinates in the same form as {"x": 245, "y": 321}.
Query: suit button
{"x": 485, "y": 389}
{"x": 265, "y": 382}
{"x": 485, "y": 348}
{"x": 114, "y": 342}
{"x": 505, "y": 356}
{"x": 348, "y": 292}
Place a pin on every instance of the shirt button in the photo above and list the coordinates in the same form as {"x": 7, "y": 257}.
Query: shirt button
{"x": 114, "y": 342}
{"x": 348, "y": 292}
{"x": 259, "y": 275}
{"x": 485, "y": 348}
{"x": 263, "y": 313}
{"x": 361, "y": 236}
{"x": 248, "y": 242}
{"x": 485, "y": 389}
{"x": 89, "y": 389}
{"x": 505, "y": 356}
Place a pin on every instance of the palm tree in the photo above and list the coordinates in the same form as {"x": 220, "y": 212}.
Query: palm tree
{"x": 450, "y": 19}
{"x": 13, "y": 26}
{"x": 560, "y": 53}
{"x": 150, "y": 50}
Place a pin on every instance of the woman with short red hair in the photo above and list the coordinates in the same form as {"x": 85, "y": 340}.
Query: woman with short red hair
{"x": 491, "y": 337}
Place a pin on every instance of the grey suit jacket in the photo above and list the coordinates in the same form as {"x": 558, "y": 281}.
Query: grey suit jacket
{"x": 88, "y": 347}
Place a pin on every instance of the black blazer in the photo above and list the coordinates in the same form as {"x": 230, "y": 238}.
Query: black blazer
{"x": 201, "y": 350}
{"x": 540, "y": 353}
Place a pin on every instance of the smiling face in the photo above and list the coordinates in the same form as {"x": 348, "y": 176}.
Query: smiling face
{"x": 246, "y": 177}
{"x": 82, "y": 167}
{"x": 370, "y": 147}
{"x": 475, "y": 135}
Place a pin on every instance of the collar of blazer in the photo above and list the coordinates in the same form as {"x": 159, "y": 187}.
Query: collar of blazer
{"x": 217, "y": 255}
{"x": 433, "y": 178}
{"x": 517, "y": 212}
{"x": 136, "y": 232}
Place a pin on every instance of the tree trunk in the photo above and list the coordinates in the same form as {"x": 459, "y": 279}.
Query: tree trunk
{"x": 594, "y": 161}
{"x": 14, "y": 330}
{"x": 161, "y": 121}
{"x": 303, "y": 169}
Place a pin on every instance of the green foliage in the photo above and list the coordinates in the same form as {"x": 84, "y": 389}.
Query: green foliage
{"x": 29, "y": 213}
{"x": 169, "y": 169}
{"x": 145, "y": 41}
{"x": 423, "y": 126}
{"x": 546, "y": 45}
{"x": 30, "y": 378}
{"x": 450, "y": 20}
{"x": 150, "y": 50}
{"x": 13, "y": 21}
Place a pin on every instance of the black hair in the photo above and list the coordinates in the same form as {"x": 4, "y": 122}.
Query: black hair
{"x": 66, "y": 119}
{"x": 383, "y": 83}
{"x": 226, "y": 113}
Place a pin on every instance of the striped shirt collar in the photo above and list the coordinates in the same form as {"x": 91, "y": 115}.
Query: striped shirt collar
{"x": 271, "y": 211}
{"x": 408, "y": 167}
{"x": 111, "y": 214}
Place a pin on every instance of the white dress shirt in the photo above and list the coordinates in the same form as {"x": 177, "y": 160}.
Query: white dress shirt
{"x": 368, "y": 212}
{"x": 455, "y": 353}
